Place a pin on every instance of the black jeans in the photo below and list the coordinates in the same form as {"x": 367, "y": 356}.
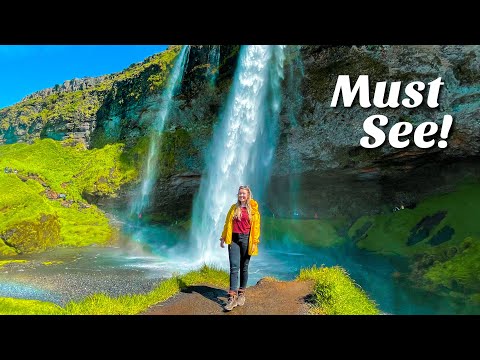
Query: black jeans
{"x": 239, "y": 260}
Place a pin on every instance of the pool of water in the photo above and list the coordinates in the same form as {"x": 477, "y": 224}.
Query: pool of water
{"x": 61, "y": 275}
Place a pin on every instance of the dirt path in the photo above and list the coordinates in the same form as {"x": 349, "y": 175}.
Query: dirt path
{"x": 267, "y": 297}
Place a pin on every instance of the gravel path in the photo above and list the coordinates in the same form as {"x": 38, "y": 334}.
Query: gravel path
{"x": 267, "y": 297}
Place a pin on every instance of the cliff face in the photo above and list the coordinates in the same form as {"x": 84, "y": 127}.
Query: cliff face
{"x": 318, "y": 145}
{"x": 72, "y": 109}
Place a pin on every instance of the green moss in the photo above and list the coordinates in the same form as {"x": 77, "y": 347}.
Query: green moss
{"x": 175, "y": 146}
{"x": 6, "y": 250}
{"x": 34, "y": 235}
{"x": 49, "y": 263}
{"x": 69, "y": 170}
{"x": 74, "y": 106}
{"x": 164, "y": 61}
{"x": 6, "y": 262}
{"x": 321, "y": 233}
{"x": 10, "y": 306}
{"x": 30, "y": 221}
{"x": 82, "y": 226}
{"x": 461, "y": 272}
{"x": 27, "y": 222}
{"x": 452, "y": 218}
{"x": 336, "y": 293}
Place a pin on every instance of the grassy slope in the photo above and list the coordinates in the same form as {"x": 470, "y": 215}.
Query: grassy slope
{"x": 70, "y": 170}
{"x": 335, "y": 293}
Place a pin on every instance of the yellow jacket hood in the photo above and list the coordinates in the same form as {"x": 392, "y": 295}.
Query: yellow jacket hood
{"x": 254, "y": 205}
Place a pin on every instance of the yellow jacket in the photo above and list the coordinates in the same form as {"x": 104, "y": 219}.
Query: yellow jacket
{"x": 254, "y": 237}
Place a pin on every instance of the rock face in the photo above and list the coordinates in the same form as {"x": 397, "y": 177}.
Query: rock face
{"x": 319, "y": 145}
{"x": 68, "y": 86}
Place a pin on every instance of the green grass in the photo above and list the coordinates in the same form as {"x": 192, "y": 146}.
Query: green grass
{"x": 54, "y": 262}
{"x": 389, "y": 233}
{"x": 321, "y": 233}
{"x": 70, "y": 170}
{"x": 10, "y": 306}
{"x": 31, "y": 221}
{"x": 336, "y": 293}
{"x": 461, "y": 273}
{"x": 6, "y": 262}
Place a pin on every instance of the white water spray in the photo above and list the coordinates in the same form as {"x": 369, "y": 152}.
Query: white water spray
{"x": 242, "y": 148}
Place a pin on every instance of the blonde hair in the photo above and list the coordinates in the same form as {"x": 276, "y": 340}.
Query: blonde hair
{"x": 238, "y": 210}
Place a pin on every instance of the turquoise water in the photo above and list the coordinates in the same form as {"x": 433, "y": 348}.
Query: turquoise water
{"x": 136, "y": 267}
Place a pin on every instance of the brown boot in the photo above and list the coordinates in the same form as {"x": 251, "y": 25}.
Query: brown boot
{"x": 241, "y": 297}
{"x": 232, "y": 301}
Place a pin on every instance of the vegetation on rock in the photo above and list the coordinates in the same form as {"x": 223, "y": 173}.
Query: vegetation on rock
{"x": 42, "y": 189}
{"x": 60, "y": 106}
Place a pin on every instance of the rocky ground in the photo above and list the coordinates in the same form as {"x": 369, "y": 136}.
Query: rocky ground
{"x": 267, "y": 297}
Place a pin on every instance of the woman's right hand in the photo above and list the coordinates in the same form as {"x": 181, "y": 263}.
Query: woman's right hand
{"x": 222, "y": 242}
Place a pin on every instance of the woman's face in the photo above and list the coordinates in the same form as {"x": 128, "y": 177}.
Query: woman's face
{"x": 243, "y": 195}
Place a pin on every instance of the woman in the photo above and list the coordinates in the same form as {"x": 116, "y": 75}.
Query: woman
{"x": 242, "y": 235}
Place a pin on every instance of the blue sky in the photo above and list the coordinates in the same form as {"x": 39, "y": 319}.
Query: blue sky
{"x": 25, "y": 69}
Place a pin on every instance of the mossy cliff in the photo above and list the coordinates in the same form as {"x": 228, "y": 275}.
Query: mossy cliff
{"x": 42, "y": 194}
{"x": 317, "y": 142}
{"x": 72, "y": 109}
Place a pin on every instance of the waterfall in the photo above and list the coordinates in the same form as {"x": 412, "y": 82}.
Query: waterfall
{"x": 150, "y": 173}
{"x": 242, "y": 147}
{"x": 213, "y": 62}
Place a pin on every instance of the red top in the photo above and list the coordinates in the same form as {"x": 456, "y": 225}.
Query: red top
{"x": 242, "y": 226}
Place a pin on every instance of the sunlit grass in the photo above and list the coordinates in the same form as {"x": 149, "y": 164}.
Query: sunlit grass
{"x": 335, "y": 293}
{"x": 54, "y": 262}
{"x": 102, "y": 304}
{"x": 6, "y": 262}
{"x": 10, "y": 306}
{"x": 28, "y": 173}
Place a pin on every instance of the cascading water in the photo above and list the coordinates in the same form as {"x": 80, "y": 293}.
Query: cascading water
{"x": 142, "y": 200}
{"x": 242, "y": 148}
{"x": 213, "y": 62}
